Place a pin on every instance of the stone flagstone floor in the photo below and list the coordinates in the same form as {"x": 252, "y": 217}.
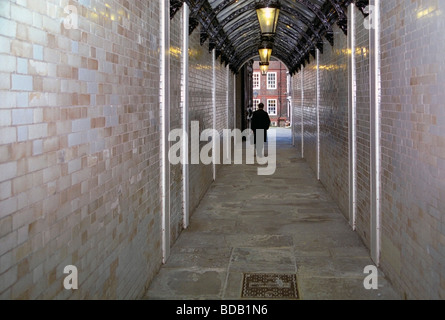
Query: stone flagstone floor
{"x": 282, "y": 224}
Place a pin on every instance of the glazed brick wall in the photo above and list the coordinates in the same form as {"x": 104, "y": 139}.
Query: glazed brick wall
{"x": 176, "y": 117}
{"x": 231, "y": 103}
{"x": 413, "y": 146}
{"x": 412, "y": 140}
{"x": 363, "y": 129}
{"x": 221, "y": 104}
{"x": 221, "y": 96}
{"x": 310, "y": 114}
{"x": 297, "y": 106}
{"x": 334, "y": 156}
{"x": 333, "y": 102}
{"x": 79, "y": 145}
{"x": 201, "y": 95}
{"x": 79, "y": 148}
{"x": 200, "y": 109}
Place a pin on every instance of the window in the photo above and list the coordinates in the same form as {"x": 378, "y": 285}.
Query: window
{"x": 272, "y": 107}
{"x": 256, "y": 80}
{"x": 272, "y": 80}
{"x": 256, "y": 102}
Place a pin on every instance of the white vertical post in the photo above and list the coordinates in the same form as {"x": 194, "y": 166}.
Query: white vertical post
{"x": 292, "y": 121}
{"x": 165, "y": 125}
{"x": 227, "y": 96}
{"x": 290, "y": 108}
{"x": 352, "y": 101}
{"x": 302, "y": 113}
{"x": 185, "y": 116}
{"x": 291, "y": 94}
{"x": 318, "y": 114}
{"x": 375, "y": 94}
{"x": 234, "y": 102}
{"x": 214, "y": 111}
{"x": 228, "y": 146}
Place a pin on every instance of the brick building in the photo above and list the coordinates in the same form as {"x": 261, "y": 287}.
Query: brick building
{"x": 272, "y": 90}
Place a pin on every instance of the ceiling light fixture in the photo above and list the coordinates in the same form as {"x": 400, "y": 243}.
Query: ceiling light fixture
{"x": 264, "y": 67}
{"x": 268, "y": 13}
{"x": 265, "y": 51}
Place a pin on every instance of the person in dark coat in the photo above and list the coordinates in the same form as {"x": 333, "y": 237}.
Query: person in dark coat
{"x": 260, "y": 120}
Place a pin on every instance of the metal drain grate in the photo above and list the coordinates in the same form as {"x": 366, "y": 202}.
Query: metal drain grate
{"x": 270, "y": 286}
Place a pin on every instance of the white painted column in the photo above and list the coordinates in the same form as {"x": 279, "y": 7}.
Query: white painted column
{"x": 214, "y": 155}
{"x": 234, "y": 102}
{"x": 185, "y": 116}
{"x": 352, "y": 101}
{"x": 302, "y": 113}
{"x": 375, "y": 94}
{"x": 227, "y": 97}
{"x": 165, "y": 126}
{"x": 318, "y": 114}
{"x": 290, "y": 82}
{"x": 227, "y": 159}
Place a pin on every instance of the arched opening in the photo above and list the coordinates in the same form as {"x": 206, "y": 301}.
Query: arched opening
{"x": 272, "y": 89}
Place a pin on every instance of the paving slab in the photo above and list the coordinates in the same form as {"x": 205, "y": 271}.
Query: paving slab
{"x": 285, "y": 224}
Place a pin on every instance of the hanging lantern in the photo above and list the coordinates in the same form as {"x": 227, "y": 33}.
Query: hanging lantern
{"x": 264, "y": 67}
{"x": 268, "y": 13}
{"x": 265, "y": 51}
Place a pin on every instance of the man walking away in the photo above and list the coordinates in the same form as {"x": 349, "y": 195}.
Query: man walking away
{"x": 260, "y": 125}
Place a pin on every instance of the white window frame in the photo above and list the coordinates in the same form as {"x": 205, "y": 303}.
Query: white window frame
{"x": 255, "y": 103}
{"x": 256, "y": 80}
{"x": 271, "y": 85}
{"x": 276, "y": 107}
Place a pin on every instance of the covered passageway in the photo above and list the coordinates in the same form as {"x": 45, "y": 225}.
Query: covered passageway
{"x": 125, "y": 164}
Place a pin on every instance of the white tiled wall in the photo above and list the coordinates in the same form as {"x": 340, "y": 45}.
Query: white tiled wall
{"x": 80, "y": 144}
{"x": 412, "y": 141}
{"x": 79, "y": 149}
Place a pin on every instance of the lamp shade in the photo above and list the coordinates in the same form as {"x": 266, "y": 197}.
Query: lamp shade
{"x": 264, "y": 67}
{"x": 265, "y": 51}
{"x": 268, "y": 14}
